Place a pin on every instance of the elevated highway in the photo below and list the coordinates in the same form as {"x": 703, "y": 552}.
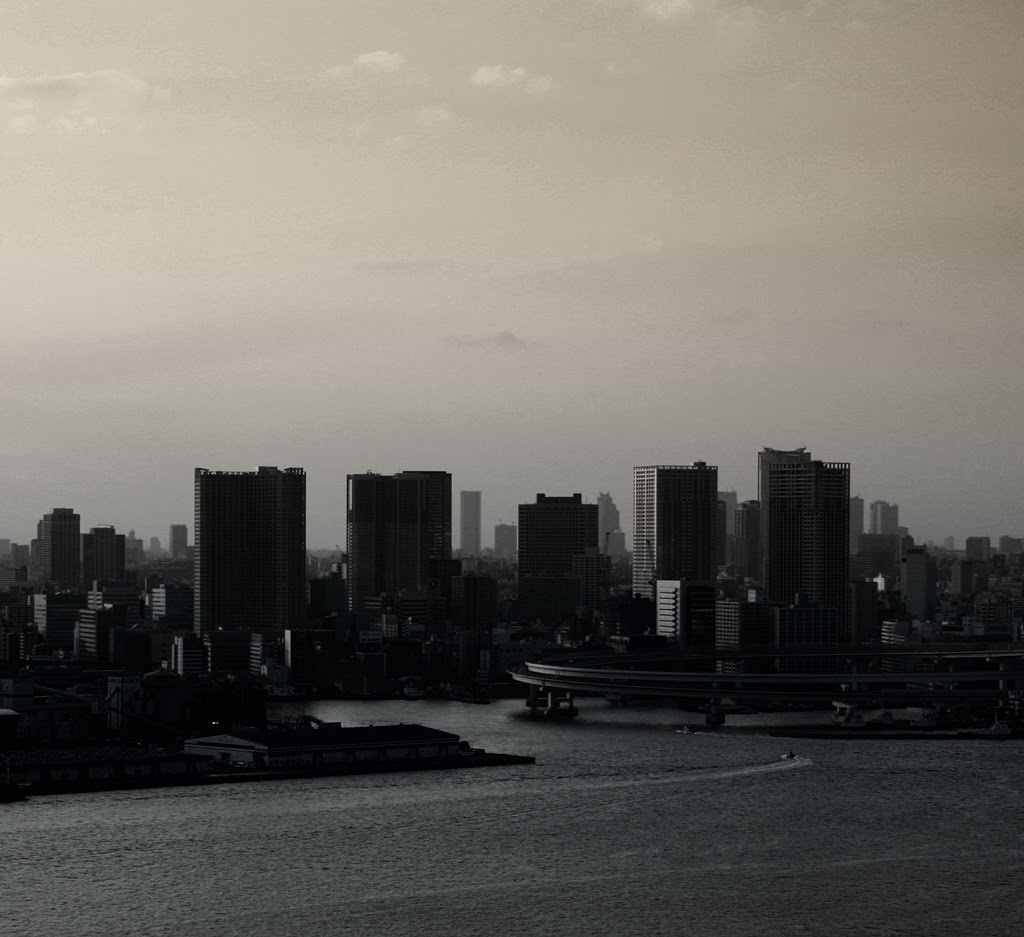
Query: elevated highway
{"x": 944, "y": 673}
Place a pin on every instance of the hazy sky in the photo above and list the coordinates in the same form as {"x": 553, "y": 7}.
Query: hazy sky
{"x": 534, "y": 242}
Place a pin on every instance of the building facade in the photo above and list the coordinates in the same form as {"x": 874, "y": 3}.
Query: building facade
{"x": 397, "y": 525}
{"x": 249, "y": 560}
{"x": 808, "y": 535}
{"x": 675, "y": 524}
{"x": 469, "y": 523}
{"x": 552, "y": 531}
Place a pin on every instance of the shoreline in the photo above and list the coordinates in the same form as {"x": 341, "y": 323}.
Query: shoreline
{"x": 250, "y": 776}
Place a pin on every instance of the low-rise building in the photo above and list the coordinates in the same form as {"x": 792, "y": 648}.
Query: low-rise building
{"x": 325, "y": 744}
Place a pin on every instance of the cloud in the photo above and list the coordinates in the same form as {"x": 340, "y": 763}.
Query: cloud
{"x": 105, "y": 101}
{"x": 369, "y": 65}
{"x": 433, "y": 115}
{"x": 503, "y": 76}
{"x": 501, "y": 341}
{"x": 668, "y": 9}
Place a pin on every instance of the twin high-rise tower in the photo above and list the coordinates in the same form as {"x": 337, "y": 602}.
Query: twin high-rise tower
{"x": 794, "y": 539}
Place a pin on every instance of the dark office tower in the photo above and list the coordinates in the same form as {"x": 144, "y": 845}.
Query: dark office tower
{"x": 731, "y": 505}
{"x": 60, "y": 547}
{"x": 675, "y": 521}
{"x": 552, "y": 531}
{"x": 865, "y": 620}
{"x": 506, "y": 541}
{"x": 917, "y": 583}
{"x": 685, "y": 612}
{"x": 21, "y": 555}
{"x": 856, "y": 522}
{"x": 766, "y": 458}
{"x": 608, "y": 521}
{"x": 809, "y": 535}
{"x": 978, "y": 549}
{"x": 249, "y": 565}
{"x": 5, "y": 550}
{"x": 721, "y": 532}
{"x": 177, "y": 541}
{"x": 741, "y": 624}
{"x": 885, "y": 518}
{"x": 1007, "y": 545}
{"x": 474, "y": 602}
{"x": 469, "y": 523}
{"x": 748, "y": 540}
{"x": 397, "y": 525}
{"x": 102, "y": 555}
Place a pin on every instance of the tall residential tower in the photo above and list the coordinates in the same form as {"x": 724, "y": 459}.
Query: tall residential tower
{"x": 249, "y": 565}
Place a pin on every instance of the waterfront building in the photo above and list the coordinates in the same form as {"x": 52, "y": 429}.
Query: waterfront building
{"x": 60, "y": 547}
{"x": 918, "y": 578}
{"x": 741, "y": 625}
{"x": 103, "y": 555}
{"x": 685, "y": 612}
{"x": 808, "y": 535}
{"x": 675, "y": 524}
{"x": 552, "y": 531}
{"x": 469, "y": 523}
{"x": 249, "y": 561}
{"x": 474, "y": 602}
{"x": 397, "y": 524}
{"x": 326, "y": 744}
{"x": 593, "y": 569}
{"x": 766, "y": 458}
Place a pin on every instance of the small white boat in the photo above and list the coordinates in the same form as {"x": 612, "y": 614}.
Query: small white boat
{"x": 789, "y": 756}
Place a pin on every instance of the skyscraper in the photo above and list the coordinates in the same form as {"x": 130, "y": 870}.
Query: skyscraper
{"x": 856, "y": 522}
{"x": 748, "y": 540}
{"x": 675, "y": 521}
{"x": 917, "y": 583}
{"x": 885, "y": 518}
{"x": 103, "y": 555}
{"x": 978, "y": 549}
{"x": 808, "y": 535}
{"x": 506, "y": 541}
{"x": 60, "y": 547}
{"x": 469, "y": 523}
{"x": 608, "y": 521}
{"x": 249, "y": 565}
{"x": 178, "y": 541}
{"x": 766, "y": 458}
{"x": 397, "y": 525}
{"x": 552, "y": 531}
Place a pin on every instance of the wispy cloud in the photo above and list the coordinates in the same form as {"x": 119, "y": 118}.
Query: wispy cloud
{"x": 104, "y": 101}
{"x": 668, "y": 9}
{"x": 433, "y": 115}
{"x": 504, "y": 76}
{"x": 380, "y": 62}
{"x": 501, "y": 341}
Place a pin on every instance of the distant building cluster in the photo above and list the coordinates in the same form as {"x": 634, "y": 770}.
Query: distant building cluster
{"x": 102, "y": 632}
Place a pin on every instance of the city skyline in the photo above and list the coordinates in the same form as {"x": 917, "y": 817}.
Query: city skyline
{"x": 324, "y": 535}
{"x": 773, "y": 209}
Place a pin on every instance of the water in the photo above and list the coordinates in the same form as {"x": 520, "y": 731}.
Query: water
{"x": 623, "y": 827}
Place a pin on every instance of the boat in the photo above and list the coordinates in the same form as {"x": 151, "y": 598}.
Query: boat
{"x": 789, "y": 756}
{"x": 685, "y": 730}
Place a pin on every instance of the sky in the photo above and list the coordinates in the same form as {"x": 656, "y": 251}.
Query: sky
{"x": 533, "y": 243}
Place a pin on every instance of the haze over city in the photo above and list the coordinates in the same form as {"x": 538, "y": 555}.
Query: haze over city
{"x": 532, "y": 244}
